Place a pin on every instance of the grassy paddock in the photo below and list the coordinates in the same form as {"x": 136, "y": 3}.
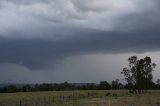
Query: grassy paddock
{"x": 81, "y": 98}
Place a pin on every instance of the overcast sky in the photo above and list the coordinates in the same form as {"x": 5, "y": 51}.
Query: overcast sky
{"x": 75, "y": 40}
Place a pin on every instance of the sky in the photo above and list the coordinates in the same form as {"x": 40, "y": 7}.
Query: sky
{"x": 75, "y": 40}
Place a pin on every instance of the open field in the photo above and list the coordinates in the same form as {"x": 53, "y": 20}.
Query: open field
{"x": 81, "y": 98}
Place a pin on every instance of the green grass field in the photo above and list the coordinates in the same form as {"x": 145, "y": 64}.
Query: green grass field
{"x": 81, "y": 98}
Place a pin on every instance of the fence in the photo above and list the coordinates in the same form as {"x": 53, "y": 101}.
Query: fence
{"x": 70, "y": 100}
{"x": 76, "y": 99}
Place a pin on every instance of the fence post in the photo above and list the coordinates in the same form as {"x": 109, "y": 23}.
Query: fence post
{"x": 109, "y": 102}
{"x": 63, "y": 98}
{"x": 45, "y": 101}
{"x": 49, "y": 101}
{"x": 57, "y": 99}
{"x": 0, "y": 103}
{"x": 20, "y": 103}
{"x": 38, "y": 101}
{"x": 34, "y": 101}
{"x": 60, "y": 98}
{"x": 53, "y": 100}
{"x": 25, "y": 103}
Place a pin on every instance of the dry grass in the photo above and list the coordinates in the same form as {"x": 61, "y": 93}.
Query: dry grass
{"x": 89, "y": 98}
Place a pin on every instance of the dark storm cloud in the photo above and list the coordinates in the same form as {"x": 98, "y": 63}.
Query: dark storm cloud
{"x": 37, "y": 54}
{"x": 41, "y": 32}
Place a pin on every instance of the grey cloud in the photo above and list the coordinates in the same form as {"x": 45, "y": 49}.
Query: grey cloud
{"x": 37, "y": 54}
{"x": 32, "y": 14}
{"x": 87, "y": 5}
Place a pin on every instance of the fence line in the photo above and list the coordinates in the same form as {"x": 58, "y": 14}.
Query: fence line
{"x": 72, "y": 99}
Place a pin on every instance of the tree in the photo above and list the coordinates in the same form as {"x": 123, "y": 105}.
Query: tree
{"x": 103, "y": 85}
{"x": 26, "y": 88}
{"x": 158, "y": 81}
{"x": 11, "y": 89}
{"x": 116, "y": 84}
{"x": 138, "y": 74}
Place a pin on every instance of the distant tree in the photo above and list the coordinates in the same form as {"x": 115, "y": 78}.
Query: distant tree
{"x": 36, "y": 87}
{"x": 138, "y": 74}
{"x": 12, "y": 89}
{"x": 116, "y": 84}
{"x": 26, "y": 88}
{"x": 103, "y": 85}
{"x": 65, "y": 86}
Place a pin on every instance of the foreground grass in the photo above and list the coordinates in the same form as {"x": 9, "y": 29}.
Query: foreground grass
{"x": 82, "y": 98}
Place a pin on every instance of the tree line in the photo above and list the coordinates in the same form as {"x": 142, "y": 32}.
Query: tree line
{"x": 103, "y": 85}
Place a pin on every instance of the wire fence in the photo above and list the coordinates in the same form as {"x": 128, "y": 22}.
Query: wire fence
{"x": 75, "y": 99}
